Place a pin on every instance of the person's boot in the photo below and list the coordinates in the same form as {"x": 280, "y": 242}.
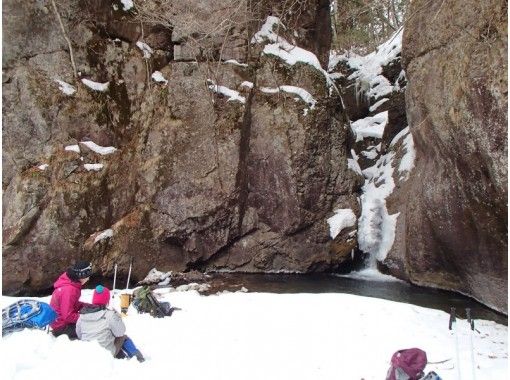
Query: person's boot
{"x": 139, "y": 356}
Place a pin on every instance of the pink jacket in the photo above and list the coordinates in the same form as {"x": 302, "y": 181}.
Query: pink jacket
{"x": 65, "y": 301}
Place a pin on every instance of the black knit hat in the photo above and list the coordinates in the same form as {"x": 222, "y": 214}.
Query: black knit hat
{"x": 81, "y": 269}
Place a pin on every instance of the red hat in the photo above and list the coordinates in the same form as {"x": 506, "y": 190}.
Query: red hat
{"x": 101, "y": 295}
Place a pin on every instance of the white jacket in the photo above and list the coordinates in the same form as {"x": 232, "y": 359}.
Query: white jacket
{"x": 102, "y": 324}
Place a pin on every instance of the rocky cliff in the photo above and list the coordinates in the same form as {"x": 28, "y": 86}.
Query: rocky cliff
{"x": 452, "y": 230}
{"x": 175, "y": 142}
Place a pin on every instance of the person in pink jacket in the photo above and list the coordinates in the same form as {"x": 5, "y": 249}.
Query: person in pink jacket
{"x": 65, "y": 299}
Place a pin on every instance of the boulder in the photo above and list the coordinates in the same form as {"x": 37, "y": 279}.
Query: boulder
{"x": 452, "y": 227}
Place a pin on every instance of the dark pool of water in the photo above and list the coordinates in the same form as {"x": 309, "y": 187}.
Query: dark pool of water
{"x": 394, "y": 291}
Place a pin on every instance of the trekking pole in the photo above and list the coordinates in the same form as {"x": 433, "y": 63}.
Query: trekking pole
{"x": 452, "y": 325}
{"x": 129, "y": 273}
{"x": 471, "y": 327}
{"x": 114, "y": 280}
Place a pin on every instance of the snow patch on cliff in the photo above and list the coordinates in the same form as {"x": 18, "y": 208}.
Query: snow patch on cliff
{"x": 93, "y": 167}
{"x": 96, "y": 86}
{"x": 65, "y": 87}
{"x": 343, "y": 218}
{"x": 157, "y": 76}
{"x": 127, "y": 4}
{"x": 146, "y": 49}
{"x": 72, "y": 148}
{"x": 281, "y": 48}
{"x": 407, "y": 161}
{"x": 352, "y": 163}
{"x": 368, "y": 68}
{"x": 301, "y": 92}
{"x": 104, "y": 235}
{"x": 370, "y": 126}
{"x": 102, "y": 150}
{"x": 232, "y": 95}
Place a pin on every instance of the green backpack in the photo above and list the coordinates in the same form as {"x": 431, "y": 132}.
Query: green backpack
{"x": 144, "y": 301}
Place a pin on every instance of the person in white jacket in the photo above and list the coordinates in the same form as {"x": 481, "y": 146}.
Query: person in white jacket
{"x": 100, "y": 323}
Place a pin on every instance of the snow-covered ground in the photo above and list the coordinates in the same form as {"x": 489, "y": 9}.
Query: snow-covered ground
{"x": 263, "y": 336}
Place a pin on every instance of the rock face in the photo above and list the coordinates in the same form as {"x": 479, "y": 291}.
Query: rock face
{"x": 234, "y": 163}
{"x": 452, "y": 228}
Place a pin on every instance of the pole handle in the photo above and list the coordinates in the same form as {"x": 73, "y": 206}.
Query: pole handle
{"x": 452, "y": 318}
{"x": 471, "y": 321}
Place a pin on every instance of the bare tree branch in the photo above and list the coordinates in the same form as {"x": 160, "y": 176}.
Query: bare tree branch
{"x": 66, "y": 37}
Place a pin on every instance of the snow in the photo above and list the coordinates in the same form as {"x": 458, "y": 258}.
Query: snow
{"x": 158, "y": 77}
{"x": 270, "y": 90}
{"x": 108, "y": 233}
{"x": 343, "y": 218}
{"x": 372, "y": 151}
{"x": 370, "y": 126}
{"x": 301, "y": 92}
{"x": 146, "y": 49}
{"x": 236, "y": 63}
{"x": 267, "y": 30}
{"x": 43, "y": 167}
{"x": 281, "y": 48}
{"x": 377, "y": 104}
{"x": 376, "y": 228}
{"x": 95, "y": 85}
{"x": 292, "y": 54}
{"x": 127, "y": 4}
{"x": 368, "y": 68}
{"x": 232, "y": 95}
{"x": 407, "y": 161}
{"x": 155, "y": 275}
{"x": 103, "y": 150}
{"x": 65, "y": 87}
{"x": 257, "y": 336}
{"x": 94, "y": 167}
{"x": 247, "y": 84}
{"x": 352, "y": 163}
{"x": 370, "y": 274}
{"x": 73, "y": 148}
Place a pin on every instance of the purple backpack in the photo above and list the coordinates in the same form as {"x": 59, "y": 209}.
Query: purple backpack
{"x": 407, "y": 364}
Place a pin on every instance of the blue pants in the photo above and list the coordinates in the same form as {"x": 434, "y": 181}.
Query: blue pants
{"x": 129, "y": 347}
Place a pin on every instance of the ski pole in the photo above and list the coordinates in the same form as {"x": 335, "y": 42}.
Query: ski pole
{"x": 129, "y": 273}
{"x": 114, "y": 280}
{"x": 452, "y": 325}
{"x": 471, "y": 327}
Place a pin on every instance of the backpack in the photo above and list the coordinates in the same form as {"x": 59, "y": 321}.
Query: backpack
{"x": 407, "y": 364}
{"x": 144, "y": 301}
{"x": 26, "y": 313}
